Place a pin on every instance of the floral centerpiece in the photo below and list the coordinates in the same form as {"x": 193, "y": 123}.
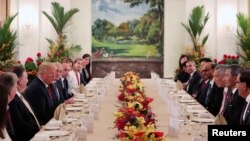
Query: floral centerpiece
{"x": 134, "y": 120}
{"x": 228, "y": 59}
{"x": 31, "y": 66}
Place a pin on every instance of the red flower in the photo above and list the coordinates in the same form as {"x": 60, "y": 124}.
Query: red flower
{"x": 139, "y": 133}
{"x": 225, "y": 56}
{"x": 19, "y": 62}
{"x": 38, "y": 63}
{"x": 122, "y": 135}
{"x": 38, "y": 54}
{"x": 158, "y": 134}
{"x": 222, "y": 62}
{"x": 237, "y": 56}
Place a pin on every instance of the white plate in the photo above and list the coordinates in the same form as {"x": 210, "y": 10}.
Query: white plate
{"x": 79, "y": 99}
{"x": 89, "y": 94}
{"x": 71, "y": 119}
{"x": 203, "y": 120}
{"x": 51, "y": 127}
{"x": 80, "y": 96}
{"x": 57, "y": 133}
{"x": 73, "y": 108}
{"x": 76, "y": 105}
{"x": 187, "y": 101}
{"x": 196, "y": 111}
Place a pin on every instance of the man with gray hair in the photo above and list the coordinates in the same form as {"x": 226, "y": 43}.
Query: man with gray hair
{"x": 219, "y": 73}
{"x": 233, "y": 103}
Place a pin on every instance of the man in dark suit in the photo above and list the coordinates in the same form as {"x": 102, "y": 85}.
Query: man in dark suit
{"x": 212, "y": 97}
{"x": 243, "y": 86}
{"x": 24, "y": 121}
{"x": 65, "y": 85}
{"x": 59, "y": 88}
{"x": 232, "y": 103}
{"x": 206, "y": 72}
{"x": 194, "y": 79}
{"x": 39, "y": 95}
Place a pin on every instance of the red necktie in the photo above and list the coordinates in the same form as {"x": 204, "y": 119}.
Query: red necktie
{"x": 49, "y": 91}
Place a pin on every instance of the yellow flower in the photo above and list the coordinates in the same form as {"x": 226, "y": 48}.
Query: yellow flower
{"x": 118, "y": 114}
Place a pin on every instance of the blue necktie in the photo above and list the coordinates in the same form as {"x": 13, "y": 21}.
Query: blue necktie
{"x": 208, "y": 93}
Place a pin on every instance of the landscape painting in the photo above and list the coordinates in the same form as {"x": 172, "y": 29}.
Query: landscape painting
{"x": 127, "y": 28}
{"x": 127, "y": 35}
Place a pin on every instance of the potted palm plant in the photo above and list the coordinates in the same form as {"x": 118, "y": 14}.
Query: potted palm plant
{"x": 194, "y": 27}
{"x": 7, "y": 44}
{"x": 243, "y": 35}
{"x": 59, "y": 49}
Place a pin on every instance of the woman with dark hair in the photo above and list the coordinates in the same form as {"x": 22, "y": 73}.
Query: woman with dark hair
{"x": 181, "y": 74}
{"x": 3, "y": 114}
{"x": 87, "y": 75}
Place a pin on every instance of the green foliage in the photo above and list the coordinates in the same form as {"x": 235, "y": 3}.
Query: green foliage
{"x": 59, "y": 19}
{"x": 7, "y": 40}
{"x": 103, "y": 28}
{"x": 7, "y": 43}
{"x": 125, "y": 50}
{"x": 243, "y": 35}
{"x": 152, "y": 32}
{"x": 194, "y": 27}
{"x": 155, "y": 14}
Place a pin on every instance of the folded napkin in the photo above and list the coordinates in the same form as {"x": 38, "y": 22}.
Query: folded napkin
{"x": 178, "y": 85}
{"x": 204, "y": 115}
{"x": 220, "y": 120}
{"x": 60, "y": 112}
{"x": 54, "y": 122}
{"x": 41, "y": 137}
{"x": 82, "y": 89}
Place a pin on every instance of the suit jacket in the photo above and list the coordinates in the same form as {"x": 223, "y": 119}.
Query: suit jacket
{"x": 247, "y": 119}
{"x": 214, "y": 100}
{"x": 232, "y": 112}
{"x": 182, "y": 76}
{"x": 63, "y": 89}
{"x": 23, "y": 122}
{"x": 55, "y": 90}
{"x": 86, "y": 76}
{"x": 72, "y": 80}
{"x": 39, "y": 98}
{"x": 202, "y": 92}
{"x": 193, "y": 83}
